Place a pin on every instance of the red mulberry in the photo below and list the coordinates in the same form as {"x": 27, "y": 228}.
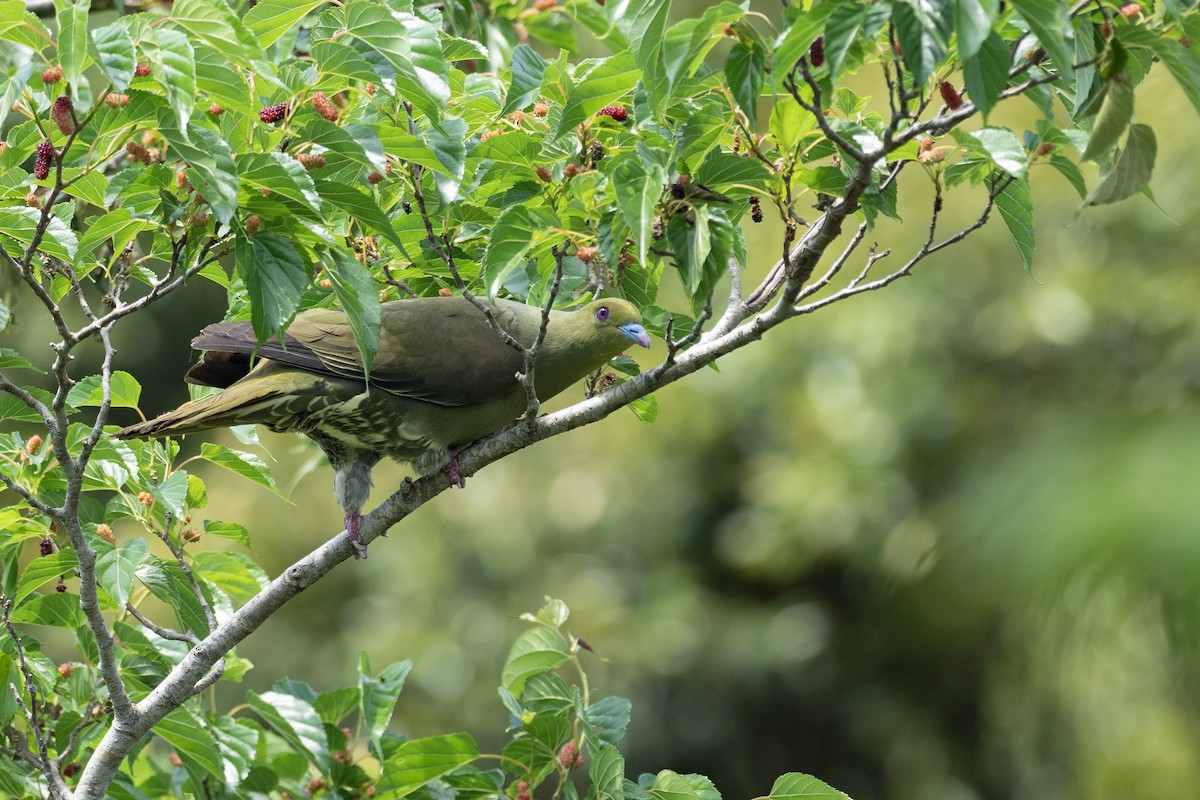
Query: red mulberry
{"x": 273, "y": 114}
{"x": 141, "y": 70}
{"x": 950, "y": 95}
{"x": 544, "y": 174}
{"x": 616, "y": 112}
{"x": 816, "y": 53}
{"x": 324, "y": 107}
{"x": 62, "y": 115}
{"x": 52, "y": 74}
{"x": 41, "y": 165}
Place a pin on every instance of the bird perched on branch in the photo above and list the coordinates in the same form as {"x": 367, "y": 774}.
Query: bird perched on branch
{"x": 442, "y": 378}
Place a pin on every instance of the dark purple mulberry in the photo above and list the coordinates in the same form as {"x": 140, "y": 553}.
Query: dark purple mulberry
{"x": 273, "y": 114}
{"x": 616, "y": 112}
{"x": 41, "y": 165}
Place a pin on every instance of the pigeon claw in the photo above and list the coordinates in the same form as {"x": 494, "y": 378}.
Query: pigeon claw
{"x": 451, "y": 470}
{"x": 354, "y": 532}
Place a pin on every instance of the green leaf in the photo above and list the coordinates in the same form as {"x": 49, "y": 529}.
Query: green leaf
{"x": 13, "y": 81}
{"x": 335, "y": 705}
{"x": 283, "y": 176}
{"x": 607, "y": 773}
{"x": 60, "y": 610}
{"x": 536, "y": 650}
{"x": 43, "y": 570}
{"x": 172, "y": 492}
{"x": 21, "y": 223}
{"x": 973, "y": 22}
{"x": 511, "y": 239}
{"x": 744, "y": 71}
{"x": 411, "y": 45}
{"x": 11, "y": 359}
{"x": 986, "y": 73}
{"x": 446, "y": 139}
{"x": 603, "y": 86}
{"x": 215, "y": 24}
{"x": 526, "y": 79}
{"x": 210, "y": 164}
{"x": 124, "y": 391}
{"x": 173, "y": 65}
{"x": 1016, "y": 209}
{"x": 604, "y": 722}
{"x": 646, "y": 24}
{"x": 275, "y": 277}
{"x": 271, "y": 19}
{"x": 114, "y": 46}
{"x": 233, "y": 573}
{"x": 378, "y": 695}
{"x": 341, "y": 59}
{"x": 191, "y": 740}
{"x": 417, "y": 762}
{"x": 1050, "y": 24}
{"x": 845, "y": 25}
{"x": 1116, "y": 112}
{"x": 72, "y": 41}
{"x": 360, "y": 205}
{"x": 638, "y": 186}
{"x": 297, "y": 722}
{"x": 115, "y": 569}
{"x": 227, "y": 530}
{"x": 923, "y": 29}
{"x": 247, "y": 465}
{"x": 799, "y": 38}
{"x": 1182, "y": 62}
{"x": 1130, "y": 172}
{"x": 358, "y": 297}
{"x": 119, "y": 225}
{"x": 998, "y": 145}
{"x": 732, "y": 175}
{"x": 1070, "y": 170}
{"x": 798, "y": 786}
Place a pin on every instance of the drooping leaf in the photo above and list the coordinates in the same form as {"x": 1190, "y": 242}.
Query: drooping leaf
{"x": 173, "y": 65}
{"x": 297, "y": 722}
{"x": 275, "y": 277}
{"x": 114, "y": 46}
{"x": 744, "y": 71}
{"x": 1131, "y": 170}
{"x": 72, "y": 41}
{"x": 210, "y": 163}
{"x": 1116, "y": 112}
{"x": 1050, "y": 24}
{"x": 116, "y": 567}
{"x": 358, "y": 297}
{"x": 378, "y": 695}
{"x": 1015, "y": 205}
{"x": 527, "y": 69}
{"x": 923, "y": 29}
{"x": 247, "y": 465}
{"x": 973, "y": 22}
{"x": 986, "y": 73}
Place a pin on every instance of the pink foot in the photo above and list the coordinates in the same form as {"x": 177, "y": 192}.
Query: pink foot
{"x": 451, "y": 470}
{"x": 353, "y": 525}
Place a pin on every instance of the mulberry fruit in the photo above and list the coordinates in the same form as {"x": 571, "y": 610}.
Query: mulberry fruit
{"x": 216, "y": 110}
{"x": 375, "y": 178}
{"x": 273, "y": 114}
{"x": 324, "y": 107}
{"x": 253, "y": 223}
{"x": 541, "y": 108}
{"x": 52, "y": 74}
{"x": 41, "y": 164}
{"x": 141, "y": 70}
{"x": 816, "y": 53}
{"x": 311, "y": 161}
{"x": 616, "y": 112}
{"x": 544, "y": 174}
{"x": 62, "y": 115}
{"x": 950, "y": 95}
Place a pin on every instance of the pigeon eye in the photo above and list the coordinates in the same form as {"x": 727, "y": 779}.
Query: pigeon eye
{"x": 602, "y": 313}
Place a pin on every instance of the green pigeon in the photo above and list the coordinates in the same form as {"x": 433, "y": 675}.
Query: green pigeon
{"x": 442, "y": 378}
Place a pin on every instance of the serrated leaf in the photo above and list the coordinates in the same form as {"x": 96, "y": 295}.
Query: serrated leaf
{"x": 124, "y": 391}
{"x": 247, "y": 465}
{"x": 795, "y": 44}
{"x": 605, "y": 721}
{"x": 191, "y": 740}
{"x": 42, "y": 570}
{"x": 744, "y": 70}
{"x": 271, "y": 19}
{"x": 603, "y": 86}
{"x": 732, "y": 175}
{"x": 1015, "y": 205}
{"x": 13, "y": 80}
{"x": 378, "y": 695}
{"x": 11, "y": 359}
{"x": 646, "y": 27}
{"x": 60, "y": 610}
{"x": 356, "y": 293}
{"x": 999, "y": 145}
{"x": 297, "y": 722}
{"x": 1050, "y": 24}
{"x": 119, "y": 225}
{"x": 20, "y": 223}
{"x": 1131, "y": 171}
{"x": 607, "y": 774}
{"x": 233, "y": 573}
{"x": 362, "y": 206}
{"x": 116, "y": 568}
{"x": 72, "y": 41}
{"x": 798, "y": 786}
{"x": 845, "y": 24}
{"x": 114, "y": 46}
{"x": 173, "y": 65}
{"x": 1182, "y": 62}
{"x": 638, "y": 186}
{"x": 536, "y": 650}
{"x": 417, "y": 762}
{"x": 923, "y": 30}
{"x": 986, "y": 73}
{"x": 527, "y": 69}
{"x": 210, "y": 164}
{"x": 227, "y": 530}
{"x": 275, "y": 278}
{"x": 973, "y": 23}
{"x": 1116, "y": 112}
{"x": 172, "y": 492}
{"x": 283, "y": 176}
{"x": 511, "y": 240}
{"x": 413, "y": 48}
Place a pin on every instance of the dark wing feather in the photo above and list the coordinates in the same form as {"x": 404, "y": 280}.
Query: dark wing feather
{"x": 440, "y": 350}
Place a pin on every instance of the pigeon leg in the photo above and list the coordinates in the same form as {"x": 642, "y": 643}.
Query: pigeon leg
{"x": 353, "y": 530}
{"x": 451, "y": 469}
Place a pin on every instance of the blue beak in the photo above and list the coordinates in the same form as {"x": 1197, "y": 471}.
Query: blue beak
{"x": 634, "y": 331}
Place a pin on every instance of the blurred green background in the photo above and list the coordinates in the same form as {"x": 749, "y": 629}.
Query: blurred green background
{"x": 937, "y": 542}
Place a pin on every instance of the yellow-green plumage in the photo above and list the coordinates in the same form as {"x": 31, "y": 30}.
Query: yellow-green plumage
{"x": 442, "y": 378}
